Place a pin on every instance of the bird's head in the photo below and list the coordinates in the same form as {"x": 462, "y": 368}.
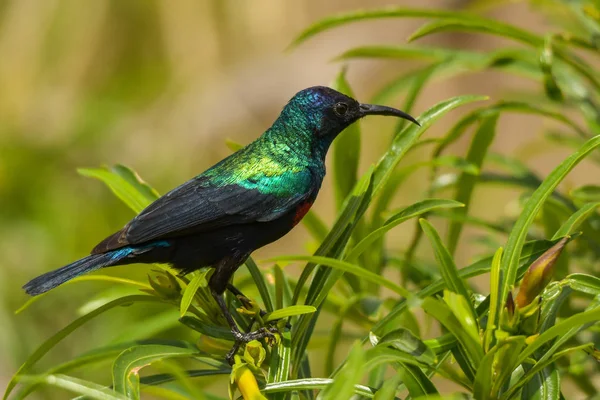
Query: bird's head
{"x": 323, "y": 113}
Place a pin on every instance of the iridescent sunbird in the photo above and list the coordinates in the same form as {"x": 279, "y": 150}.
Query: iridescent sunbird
{"x": 247, "y": 200}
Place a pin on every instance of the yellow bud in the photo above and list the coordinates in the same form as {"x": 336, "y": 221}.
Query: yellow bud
{"x": 254, "y": 353}
{"x": 246, "y": 383}
{"x": 165, "y": 285}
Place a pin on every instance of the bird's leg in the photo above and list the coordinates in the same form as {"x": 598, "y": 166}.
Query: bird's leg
{"x": 241, "y": 338}
{"x": 236, "y": 292}
{"x": 218, "y": 284}
{"x": 243, "y": 298}
{"x": 246, "y": 302}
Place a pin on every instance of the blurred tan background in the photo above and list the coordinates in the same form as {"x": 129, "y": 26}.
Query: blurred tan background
{"x": 159, "y": 86}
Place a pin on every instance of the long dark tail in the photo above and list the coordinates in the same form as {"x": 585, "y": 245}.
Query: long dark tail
{"x": 52, "y": 279}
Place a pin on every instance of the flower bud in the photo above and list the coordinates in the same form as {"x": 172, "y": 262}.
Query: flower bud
{"x": 539, "y": 274}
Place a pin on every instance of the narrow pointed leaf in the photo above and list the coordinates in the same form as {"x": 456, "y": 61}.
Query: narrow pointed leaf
{"x": 190, "y": 291}
{"x": 350, "y": 268}
{"x": 350, "y": 374}
{"x": 575, "y": 220}
{"x": 403, "y": 215}
{"x": 415, "y": 380}
{"x": 447, "y": 267}
{"x": 365, "y": 15}
{"x": 78, "y": 386}
{"x": 130, "y": 361}
{"x": 125, "y": 184}
{"x": 466, "y": 182}
{"x": 261, "y": 284}
{"x": 312, "y": 383}
{"x": 444, "y": 315}
{"x": 290, "y": 311}
{"x": 407, "y": 138}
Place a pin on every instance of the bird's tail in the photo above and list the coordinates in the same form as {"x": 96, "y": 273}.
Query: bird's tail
{"x": 52, "y": 279}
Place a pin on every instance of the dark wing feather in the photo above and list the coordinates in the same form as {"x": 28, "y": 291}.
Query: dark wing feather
{"x": 199, "y": 206}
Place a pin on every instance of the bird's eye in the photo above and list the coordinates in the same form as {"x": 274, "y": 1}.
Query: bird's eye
{"x": 340, "y": 108}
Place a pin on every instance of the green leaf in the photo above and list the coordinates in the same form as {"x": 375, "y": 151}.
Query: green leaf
{"x": 382, "y": 355}
{"x": 415, "y": 380}
{"x": 206, "y": 329}
{"x": 399, "y": 217}
{"x": 520, "y": 229}
{"x": 60, "y": 335}
{"x": 462, "y": 308}
{"x": 279, "y": 370}
{"x": 78, "y": 386}
{"x": 560, "y": 329}
{"x": 446, "y": 317}
{"x": 514, "y": 60}
{"x": 466, "y": 182}
{"x": 407, "y": 138}
{"x": 335, "y": 334}
{"x": 344, "y": 382}
{"x": 404, "y": 340}
{"x": 348, "y": 267}
{"x": 575, "y": 220}
{"x": 483, "y": 25}
{"x": 388, "y": 390}
{"x": 125, "y": 184}
{"x": 502, "y": 107}
{"x": 130, "y": 361}
{"x": 482, "y": 385}
{"x": 198, "y": 281}
{"x": 364, "y": 15}
{"x": 159, "y": 379}
{"x": 494, "y": 310}
{"x": 289, "y": 312}
{"x": 480, "y": 25}
{"x": 346, "y": 149}
{"x": 586, "y": 193}
{"x": 447, "y": 267}
{"x": 584, "y": 283}
{"x": 487, "y": 379}
{"x": 315, "y": 225}
{"x": 550, "y": 384}
{"x": 407, "y": 52}
{"x": 261, "y": 284}
{"x": 312, "y": 384}
{"x": 545, "y": 385}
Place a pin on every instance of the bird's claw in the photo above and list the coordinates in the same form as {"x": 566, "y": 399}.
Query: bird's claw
{"x": 267, "y": 333}
{"x": 261, "y": 333}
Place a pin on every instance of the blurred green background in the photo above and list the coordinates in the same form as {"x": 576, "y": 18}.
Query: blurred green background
{"x": 159, "y": 86}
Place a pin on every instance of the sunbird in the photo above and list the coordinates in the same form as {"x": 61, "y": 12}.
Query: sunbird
{"x": 247, "y": 200}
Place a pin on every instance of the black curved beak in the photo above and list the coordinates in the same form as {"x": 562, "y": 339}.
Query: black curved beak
{"x": 374, "y": 109}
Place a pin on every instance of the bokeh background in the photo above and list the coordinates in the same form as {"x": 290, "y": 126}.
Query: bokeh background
{"x": 159, "y": 86}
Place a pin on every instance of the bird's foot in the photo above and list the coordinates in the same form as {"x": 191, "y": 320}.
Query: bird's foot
{"x": 250, "y": 307}
{"x": 267, "y": 333}
{"x": 259, "y": 334}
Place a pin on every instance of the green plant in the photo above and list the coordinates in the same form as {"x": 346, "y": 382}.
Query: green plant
{"x": 492, "y": 344}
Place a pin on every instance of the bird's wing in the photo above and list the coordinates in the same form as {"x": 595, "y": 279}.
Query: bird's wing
{"x": 200, "y": 205}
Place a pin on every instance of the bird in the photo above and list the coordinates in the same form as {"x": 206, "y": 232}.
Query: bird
{"x": 247, "y": 200}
